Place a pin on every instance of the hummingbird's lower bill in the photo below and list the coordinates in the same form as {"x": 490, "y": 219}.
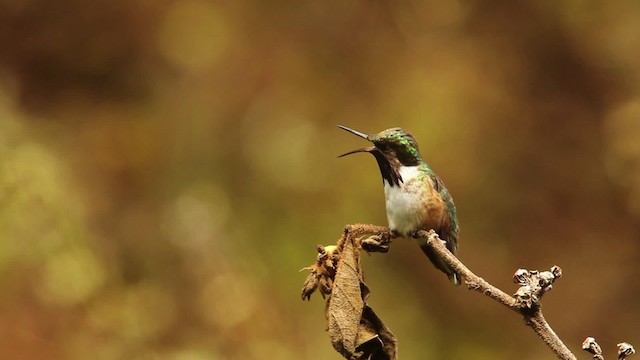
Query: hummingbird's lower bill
{"x": 415, "y": 197}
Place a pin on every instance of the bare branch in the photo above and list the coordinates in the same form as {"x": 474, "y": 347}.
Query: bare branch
{"x": 473, "y": 281}
{"x": 526, "y": 300}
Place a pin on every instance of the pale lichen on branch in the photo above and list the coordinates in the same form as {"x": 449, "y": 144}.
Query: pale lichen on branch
{"x": 591, "y": 346}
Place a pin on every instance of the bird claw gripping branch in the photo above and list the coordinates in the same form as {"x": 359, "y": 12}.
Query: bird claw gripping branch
{"x": 376, "y": 243}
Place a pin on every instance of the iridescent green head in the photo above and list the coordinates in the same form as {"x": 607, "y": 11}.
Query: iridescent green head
{"x": 396, "y": 145}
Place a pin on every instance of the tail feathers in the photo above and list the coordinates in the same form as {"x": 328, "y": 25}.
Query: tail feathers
{"x": 441, "y": 265}
{"x": 454, "y": 278}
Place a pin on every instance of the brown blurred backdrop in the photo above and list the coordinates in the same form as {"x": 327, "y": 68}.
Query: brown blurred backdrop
{"x": 167, "y": 167}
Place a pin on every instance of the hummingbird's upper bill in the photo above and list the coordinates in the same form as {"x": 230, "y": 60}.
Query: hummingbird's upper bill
{"x": 369, "y": 149}
{"x": 354, "y": 132}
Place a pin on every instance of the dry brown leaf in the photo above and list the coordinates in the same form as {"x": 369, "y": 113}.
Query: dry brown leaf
{"x": 375, "y": 340}
{"x": 355, "y": 330}
{"x": 346, "y": 303}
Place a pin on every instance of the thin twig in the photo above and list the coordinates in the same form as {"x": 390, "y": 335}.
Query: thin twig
{"x": 540, "y": 326}
{"x": 473, "y": 281}
{"x": 532, "y": 312}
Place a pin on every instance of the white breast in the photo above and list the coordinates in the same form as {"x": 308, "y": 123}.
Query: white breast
{"x": 405, "y": 202}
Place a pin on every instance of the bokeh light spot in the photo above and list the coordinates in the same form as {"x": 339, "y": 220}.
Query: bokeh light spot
{"x": 139, "y": 313}
{"x": 623, "y": 150}
{"x": 227, "y": 300}
{"x": 71, "y": 277}
{"x": 280, "y": 150}
{"x": 194, "y": 34}
{"x": 196, "y": 218}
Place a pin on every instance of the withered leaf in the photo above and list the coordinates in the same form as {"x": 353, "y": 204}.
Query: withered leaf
{"x": 355, "y": 330}
{"x": 375, "y": 340}
{"x": 346, "y": 303}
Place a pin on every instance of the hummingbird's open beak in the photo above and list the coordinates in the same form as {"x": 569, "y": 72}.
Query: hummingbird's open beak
{"x": 354, "y": 132}
{"x": 367, "y": 149}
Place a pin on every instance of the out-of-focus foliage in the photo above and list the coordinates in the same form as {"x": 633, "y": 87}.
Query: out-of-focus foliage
{"x": 166, "y": 168}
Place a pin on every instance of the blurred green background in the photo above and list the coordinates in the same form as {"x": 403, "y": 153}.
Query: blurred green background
{"x": 167, "y": 167}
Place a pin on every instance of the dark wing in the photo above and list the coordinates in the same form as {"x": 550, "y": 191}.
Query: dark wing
{"x": 449, "y": 230}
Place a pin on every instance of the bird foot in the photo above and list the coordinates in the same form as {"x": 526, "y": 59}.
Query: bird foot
{"x": 376, "y": 243}
{"x": 422, "y": 234}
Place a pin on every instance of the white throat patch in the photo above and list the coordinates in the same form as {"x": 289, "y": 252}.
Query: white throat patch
{"x": 405, "y": 203}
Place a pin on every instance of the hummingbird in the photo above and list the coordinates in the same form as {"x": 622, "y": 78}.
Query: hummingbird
{"x": 415, "y": 197}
